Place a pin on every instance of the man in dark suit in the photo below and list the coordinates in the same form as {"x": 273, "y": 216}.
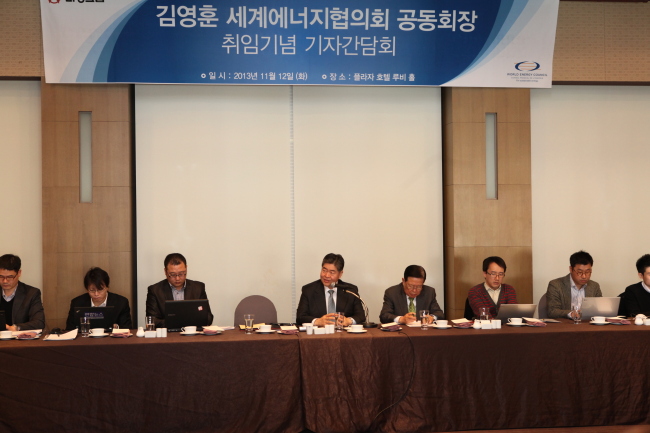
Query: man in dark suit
{"x": 637, "y": 296}
{"x": 21, "y": 303}
{"x": 403, "y": 302}
{"x": 175, "y": 288}
{"x": 322, "y": 299}
{"x": 97, "y": 294}
{"x": 566, "y": 292}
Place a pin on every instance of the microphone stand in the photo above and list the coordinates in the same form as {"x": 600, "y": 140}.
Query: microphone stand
{"x": 366, "y": 324}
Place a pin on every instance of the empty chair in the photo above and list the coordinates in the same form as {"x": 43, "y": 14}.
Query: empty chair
{"x": 469, "y": 313}
{"x": 261, "y": 306}
{"x": 541, "y": 308}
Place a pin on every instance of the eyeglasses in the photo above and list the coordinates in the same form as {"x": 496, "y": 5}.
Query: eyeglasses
{"x": 179, "y": 275}
{"x": 8, "y": 277}
{"x": 411, "y": 287}
{"x": 96, "y": 290}
{"x": 496, "y": 274}
{"x": 583, "y": 273}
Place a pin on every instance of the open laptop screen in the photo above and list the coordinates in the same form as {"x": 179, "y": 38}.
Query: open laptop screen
{"x": 193, "y": 312}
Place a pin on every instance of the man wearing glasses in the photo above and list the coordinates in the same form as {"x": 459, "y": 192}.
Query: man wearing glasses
{"x": 493, "y": 292}
{"x": 564, "y": 293}
{"x": 174, "y": 288}
{"x": 403, "y": 302}
{"x": 21, "y": 303}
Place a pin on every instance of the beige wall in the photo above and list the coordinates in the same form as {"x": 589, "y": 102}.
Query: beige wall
{"x": 20, "y": 144}
{"x": 218, "y": 182}
{"x": 590, "y": 181}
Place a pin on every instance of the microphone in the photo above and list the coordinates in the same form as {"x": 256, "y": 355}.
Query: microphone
{"x": 366, "y": 324}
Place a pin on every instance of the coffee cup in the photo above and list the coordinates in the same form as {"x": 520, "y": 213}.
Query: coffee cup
{"x": 441, "y": 323}
{"x": 6, "y": 334}
{"x": 265, "y": 328}
{"x": 598, "y": 319}
{"x": 356, "y": 328}
{"x": 97, "y": 332}
{"x": 515, "y": 320}
{"x": 189, "y": 329}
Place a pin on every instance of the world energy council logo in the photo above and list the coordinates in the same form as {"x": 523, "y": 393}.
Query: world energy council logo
{"x": 527, "y": 71}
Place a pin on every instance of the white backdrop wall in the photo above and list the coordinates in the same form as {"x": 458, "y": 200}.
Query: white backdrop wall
{"x": 589, "y": 182}
{"x": 256, "y": 184}
{"x": 20, "y": 144}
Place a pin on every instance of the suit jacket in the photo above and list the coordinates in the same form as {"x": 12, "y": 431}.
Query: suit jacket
{"x": 162, "y": 291}
{"x": 636, "y": 300}
{"x": 395, "y": 303}
{"x": 120, "y": 307}
{"x": 312, "y": 303}
{"x": 558, "y": 296}
{"x": 27, "y": 311}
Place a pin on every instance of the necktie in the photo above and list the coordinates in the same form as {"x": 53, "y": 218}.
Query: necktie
{"x": 331, "y": 307}
{"x": 411, "y": 306}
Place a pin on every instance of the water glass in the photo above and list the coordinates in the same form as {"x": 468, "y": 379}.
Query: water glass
{"x": 248, "y": 322}
{"x": 484, "y": 314}
{"x": 150, "y": 325}
{"x": 424, "y": 319}
{"x": 84, "y": 326}
{"x": 576, "y": 314}
{"x": 340, "y": 317}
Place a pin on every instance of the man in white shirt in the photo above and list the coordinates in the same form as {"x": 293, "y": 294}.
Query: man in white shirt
{"x": 567, "y": 292}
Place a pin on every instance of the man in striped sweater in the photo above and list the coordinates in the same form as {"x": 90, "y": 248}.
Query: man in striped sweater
{"x": 492, "y": 293}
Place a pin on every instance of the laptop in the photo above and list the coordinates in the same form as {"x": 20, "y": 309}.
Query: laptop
{"x": 508, "y": 311}
{"x": 192, "y": 312}
{"x": 601, "y": 306}
{"x": 100, "y": 317}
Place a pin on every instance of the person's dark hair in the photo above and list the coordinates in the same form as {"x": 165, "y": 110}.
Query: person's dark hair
{"x": 10, "y": 262}
{"x": 175, "y": 259}
{"x": 494, "y": 259}
{"x": 334, "y": 259}
{"x": 581, "y": 258}
{"x": 415, "y": 271}
{"x": 97, "y": 277}
{"x": 643, "y": 263}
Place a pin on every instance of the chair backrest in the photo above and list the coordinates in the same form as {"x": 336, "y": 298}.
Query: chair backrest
{"x": 469, "y": 313}
{"x": 622, "y": 307}
{"x": 261, "y": 306}
{"x": 541, "y": 308}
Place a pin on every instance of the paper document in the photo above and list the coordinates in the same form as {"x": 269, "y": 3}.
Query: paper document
{"x": 71, "y": 335}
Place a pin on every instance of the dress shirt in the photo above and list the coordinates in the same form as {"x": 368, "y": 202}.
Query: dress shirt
{"x": 327, "y": 299}
{"x": 103, "y": 304}
{"x": 577, "y": 295}
{"x": 179, "y": 295}
{"x": 10, "y": 297}
{"x": 494, "y": 293}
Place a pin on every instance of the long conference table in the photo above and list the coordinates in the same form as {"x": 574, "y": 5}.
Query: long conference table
{"x": 408, "y": 381}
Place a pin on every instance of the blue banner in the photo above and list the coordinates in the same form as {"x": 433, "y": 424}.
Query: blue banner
{"x": 321, "y": 42}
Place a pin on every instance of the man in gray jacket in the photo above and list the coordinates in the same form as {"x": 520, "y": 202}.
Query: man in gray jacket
{"x": 563, "y": 293}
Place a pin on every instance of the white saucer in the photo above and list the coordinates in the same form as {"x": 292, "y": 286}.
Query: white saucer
{"x": 188, "y": 333}
{"x": 31, "y": 338}
{"x": 265, "y": 332}
{"x": 357, "y": 332}
{"x": 120, "y": 335}
{"x": 99, "y": 336}
{"x": 440, "y": 327}
{"x": 210, "y": 334}
{"x": 599, "y": 324}
{"x": 515, "y": 324}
